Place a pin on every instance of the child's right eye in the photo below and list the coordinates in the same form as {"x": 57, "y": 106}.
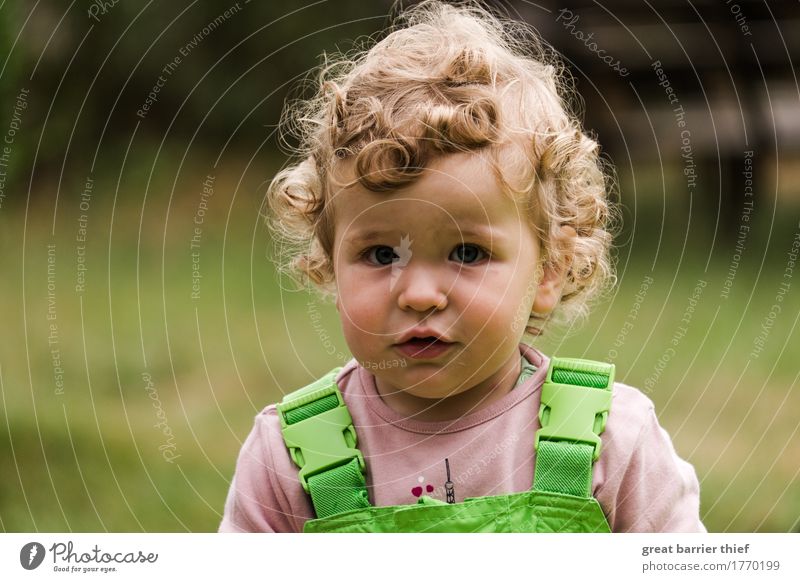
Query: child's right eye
{"x": 381, "y": 255}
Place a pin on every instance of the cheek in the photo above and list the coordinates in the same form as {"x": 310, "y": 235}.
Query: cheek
{"x": 361, "y": 310}
{"x": 498, "y": 298}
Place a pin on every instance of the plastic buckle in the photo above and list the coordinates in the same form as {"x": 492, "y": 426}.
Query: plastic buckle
{"x": 323, "y": 441}
{"x": 574, "y": 413}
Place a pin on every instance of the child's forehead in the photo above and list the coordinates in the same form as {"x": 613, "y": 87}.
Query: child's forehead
{"x": 466, "y": 187}
{"x": 465, "y": 180}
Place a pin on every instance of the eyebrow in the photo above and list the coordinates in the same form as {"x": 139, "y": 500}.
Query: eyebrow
{"x": 367, "y": 236}
{"x": 484, "y": 232}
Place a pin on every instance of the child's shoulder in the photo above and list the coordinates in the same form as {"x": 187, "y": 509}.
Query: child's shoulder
{"x": 632, "y": 414}
{"x": 630, "y": 399}
{"x": 266, "y": 440}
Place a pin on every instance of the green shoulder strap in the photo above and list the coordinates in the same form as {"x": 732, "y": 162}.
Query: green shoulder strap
{"x": 319, "y": 433}
{"x": 576, "y": 398}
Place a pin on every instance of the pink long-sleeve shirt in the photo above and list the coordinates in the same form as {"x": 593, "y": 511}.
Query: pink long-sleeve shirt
{"x": 640, "y": 482}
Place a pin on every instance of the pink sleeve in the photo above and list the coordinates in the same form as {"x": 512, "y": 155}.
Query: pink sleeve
{"x": 254, "y": 499}
{"x": 655, "y": 491}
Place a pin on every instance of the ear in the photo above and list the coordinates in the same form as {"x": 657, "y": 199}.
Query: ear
{"x": 551, "y": 285}
{"x": 548, "y": 291}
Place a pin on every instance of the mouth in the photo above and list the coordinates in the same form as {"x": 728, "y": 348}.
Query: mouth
{"x": 422, "y": 348}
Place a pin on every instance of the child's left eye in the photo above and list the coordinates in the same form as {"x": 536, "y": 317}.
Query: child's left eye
{"x": 381, "y": 255}
{"x": 468, "y": 253}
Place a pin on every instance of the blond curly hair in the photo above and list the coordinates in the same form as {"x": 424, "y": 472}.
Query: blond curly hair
{"x": 448, "y": 79}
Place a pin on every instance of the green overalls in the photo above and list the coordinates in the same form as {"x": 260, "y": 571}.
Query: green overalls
{"x": 576, "y": 398}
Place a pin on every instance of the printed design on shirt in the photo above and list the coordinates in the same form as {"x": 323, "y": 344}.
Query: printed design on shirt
{"x": 416, "y": 491}
{"x": 449, "y": 488}
{"x": 448, "y": 485}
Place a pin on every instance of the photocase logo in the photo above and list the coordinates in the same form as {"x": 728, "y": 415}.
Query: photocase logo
{"x": 31, "y": 555}
{"x": 403, "y": 253}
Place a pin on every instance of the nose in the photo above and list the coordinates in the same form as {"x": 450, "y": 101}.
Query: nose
{"x": 420, "y": 289}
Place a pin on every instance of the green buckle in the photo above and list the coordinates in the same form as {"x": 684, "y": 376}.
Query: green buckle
{"x": 323, "y": 441}
{"x": 572, "y": 412}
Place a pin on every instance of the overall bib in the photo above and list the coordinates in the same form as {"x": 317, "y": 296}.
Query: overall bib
{"x": 575, "y": 401}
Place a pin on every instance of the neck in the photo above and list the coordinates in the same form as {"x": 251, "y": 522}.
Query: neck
{"x": 453, "y": 407}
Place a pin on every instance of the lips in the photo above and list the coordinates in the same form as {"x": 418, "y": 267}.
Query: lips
{"x": 423, "y": 333}
{"x": 422, "y": 348}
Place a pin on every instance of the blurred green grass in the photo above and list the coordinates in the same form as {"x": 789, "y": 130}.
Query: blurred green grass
{"x": 89, "y": 459}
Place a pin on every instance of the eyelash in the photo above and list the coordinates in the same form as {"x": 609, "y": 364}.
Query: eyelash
{"x": 366, "y": 253}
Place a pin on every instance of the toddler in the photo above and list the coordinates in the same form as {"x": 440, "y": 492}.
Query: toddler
{"x": 448, "y": 200}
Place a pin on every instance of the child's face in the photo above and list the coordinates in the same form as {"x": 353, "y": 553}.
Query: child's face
{"x": 450, "y": 256}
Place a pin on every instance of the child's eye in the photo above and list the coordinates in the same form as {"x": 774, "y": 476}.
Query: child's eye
{"x": 468, "y": 253}
{"x": 381, "y": 255}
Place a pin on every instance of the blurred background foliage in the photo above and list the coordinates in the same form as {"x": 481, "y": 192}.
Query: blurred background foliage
{"x": 97, "y": 286}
